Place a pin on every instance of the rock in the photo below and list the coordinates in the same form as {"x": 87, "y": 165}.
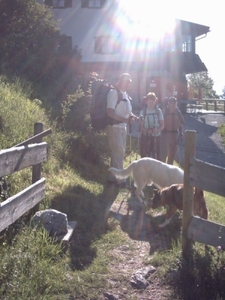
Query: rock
{"x": 138, "y": 280}
{"x": 109, "y": 296}
{"x": 55, "y": 222}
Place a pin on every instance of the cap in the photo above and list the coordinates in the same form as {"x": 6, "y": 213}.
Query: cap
{"x": 172, "y": 100}
{"x": 125, "y": 77}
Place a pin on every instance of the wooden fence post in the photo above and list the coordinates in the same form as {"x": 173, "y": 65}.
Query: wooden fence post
{"x": 190, "y": 143}
{"x": 36, "y": 169}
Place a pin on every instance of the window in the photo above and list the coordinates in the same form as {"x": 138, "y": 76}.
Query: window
{"x": 186, "y": 43}
{"x": 107, "y": 44}
{"x": 59, "y": 3}
{"x": 92, "y": 3}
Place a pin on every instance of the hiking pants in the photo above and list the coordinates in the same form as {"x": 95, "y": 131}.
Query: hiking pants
{"x": 169, "y": 146}
{"x": 150, "y": 146}
{"x": 117, "y": 142}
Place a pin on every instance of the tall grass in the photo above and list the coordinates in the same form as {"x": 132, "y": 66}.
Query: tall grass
{"x": 18, "y": 114}
{"x": 32, "y": 266}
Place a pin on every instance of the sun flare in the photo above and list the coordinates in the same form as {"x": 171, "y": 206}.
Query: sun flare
{"x": 142, "y": 18}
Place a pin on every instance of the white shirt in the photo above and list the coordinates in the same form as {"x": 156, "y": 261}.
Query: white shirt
{"x": 123, "y": 108}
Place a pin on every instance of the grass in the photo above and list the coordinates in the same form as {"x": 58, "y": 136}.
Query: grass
{"x": 221, "y": 131}
{"x": 33, "y": 266}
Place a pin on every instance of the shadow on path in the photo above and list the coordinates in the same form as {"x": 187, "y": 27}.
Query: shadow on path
{"x": 140, "y": 225}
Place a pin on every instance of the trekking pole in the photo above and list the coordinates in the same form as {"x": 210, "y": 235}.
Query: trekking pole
{"x": 155, "y": 146}
{"x": 130, "y": 139}
{"x": 130, "y": 153}
{"x": 138, "y": 140}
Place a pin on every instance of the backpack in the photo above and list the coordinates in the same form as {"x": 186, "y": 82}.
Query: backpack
{"x": 145, "y": 111}
{"x": 99, "y": 118}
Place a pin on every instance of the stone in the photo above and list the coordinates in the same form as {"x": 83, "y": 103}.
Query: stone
{"x": 54, "y": 221}
{"x": 139, "y": 279}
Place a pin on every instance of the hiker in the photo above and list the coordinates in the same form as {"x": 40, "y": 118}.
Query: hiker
{"x": 120, "y": 112}
{"x": 151, "y": 126}
{"x": 172, "y": 132}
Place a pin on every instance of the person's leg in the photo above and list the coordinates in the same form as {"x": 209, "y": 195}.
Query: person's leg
{"x": 164, "y": 149}
{"x": 173, "y": 148}
{"x": 158, "y": 148}
{"x": 117, "y": 144}
{"x": 144, "y": 145}
{"x": 152, "y": 147}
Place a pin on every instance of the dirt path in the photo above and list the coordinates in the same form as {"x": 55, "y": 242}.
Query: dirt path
{"x": 144, "y": 238}
{"x": 209, "y": 147}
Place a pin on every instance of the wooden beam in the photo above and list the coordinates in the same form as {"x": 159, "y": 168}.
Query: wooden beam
{"x": 207, "y": 177}
{"x": 206, "y": 232}
{"x": 190, "y": 143}
{"x": 35, "y": 138}
{"x": 15, "y": 159}
{"x": 15, "y": 206}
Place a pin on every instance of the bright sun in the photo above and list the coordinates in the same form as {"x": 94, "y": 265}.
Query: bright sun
{"x": 144, "y": 18}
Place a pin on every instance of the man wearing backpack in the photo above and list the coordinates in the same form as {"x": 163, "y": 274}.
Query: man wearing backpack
{"x": 173, "y": 130}
{"x": 119, "y": 112}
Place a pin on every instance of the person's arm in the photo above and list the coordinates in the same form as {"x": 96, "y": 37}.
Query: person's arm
{"x": 181, "y": 118}
{"x": 161, "y": 122}
{"x": 160, "y": 128}
{"x": 181, "y": 130}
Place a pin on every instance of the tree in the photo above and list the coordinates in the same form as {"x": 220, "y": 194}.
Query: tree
{"x": 32, "y": 48}
{"x": 223, "y": 95}
{"x": 28, "y": 38}
{"x": 201, "y": 83}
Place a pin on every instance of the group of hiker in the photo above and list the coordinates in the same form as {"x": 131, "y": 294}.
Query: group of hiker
{"x": 160, "y": 125}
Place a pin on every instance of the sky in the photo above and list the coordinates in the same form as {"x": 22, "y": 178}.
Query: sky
{"x": 211, "y": 48}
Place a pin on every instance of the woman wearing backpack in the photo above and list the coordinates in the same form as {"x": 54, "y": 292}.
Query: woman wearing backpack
{"x": 173, "y": 130}
{"x": 151, "y": 126}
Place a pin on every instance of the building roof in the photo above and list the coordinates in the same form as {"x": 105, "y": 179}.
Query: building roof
{"x": 194, "y": 29}
{"x": 174, "y": 62}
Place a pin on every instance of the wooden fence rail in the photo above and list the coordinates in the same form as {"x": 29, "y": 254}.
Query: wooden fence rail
{"x": 210, "y": 178}
{"x": 17, "y": 158}
{"x": 195, "y": 105}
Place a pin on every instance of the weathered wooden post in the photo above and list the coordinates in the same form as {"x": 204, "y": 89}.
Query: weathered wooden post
{"x": 190, "y": 143}
{"x": 36, "y": 169}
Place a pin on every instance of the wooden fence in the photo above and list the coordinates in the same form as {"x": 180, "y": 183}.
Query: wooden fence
{"x": 209, "y": 178}
{"x": 217, "y": 105}
{"x": 17, "y": 158}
